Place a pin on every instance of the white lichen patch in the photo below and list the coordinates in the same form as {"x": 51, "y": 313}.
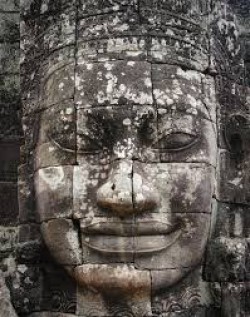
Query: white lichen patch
{"x": 189, "y": 75}
{"x": 52, "y": 176}
{"x": 126, "y": 122}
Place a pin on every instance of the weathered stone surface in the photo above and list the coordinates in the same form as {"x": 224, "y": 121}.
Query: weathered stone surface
{"x": 26, "y": 195}
{"x": 233, "y": 185}
{"x": 113, "y": 82}
{"x": 233, "y": 299}
{"x": 54, "y": 192}
{"x": 137, "y": 133}
{"x": 9, "y": 5}
{"x": 58, "y": 83}
{"x": 50, "y": 314}
{"x": 59, "y": 291}
{"x": 232, "y": 221}
{"x": 8, "y": 203}
{"x": 226, "y": 260}
{"x": 62, "y": 239}
{"x": 115, "y": 282}
{"x": 26, "y": 288}
{"x": 8, "y": 238}
{"x": 56, "y": 143}
{"x": 183, "y": 248}
{"x": 30, "y": 248}
{"x": 9, "y": 58}
{"x": 181, "y": 299}
{"x": 6, "y": 307}
{"x": 9, "y": 26}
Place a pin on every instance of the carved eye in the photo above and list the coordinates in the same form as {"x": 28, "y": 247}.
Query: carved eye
{"x": 88, "y": 144}
{"x": 177, "y": 141}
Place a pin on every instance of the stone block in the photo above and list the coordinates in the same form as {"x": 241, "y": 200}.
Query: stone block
{"x": 118, "y": 132}
{"x": 58, "y": 84}
{"x": 114, "y": 282}
{"x": 113, "y": 82}
{"x": 29, "y": 10}
{"x": 232, "y": 221}
{"x": 7, "y": 5}
{"x": 121, "y": 47}
{"x": 54, "y": 192}
{"x": 183, "y": 88}
{"x": 195, "y": 180}
{"x": 56, "y": 143}
{"x": 247, "y": 260}
{"x": 185, "y": 137}
{"x": 89, "y": 8}
{"x": 233, "y": 184}
{"x": 233, "y": 299}
{"x": 9, "y": 203}
{"x": 59, "y": 291}
{"x": 8, "y": 238}
{"x": 116, "y": 24}
{"x": 182, "y": 248}
{"x": 26, "y": 289}
{"x": 86, "y": 180}
{"x": 190, "y": 294}
{"x": 246, "y": 299}
{"x": 226, "y": 260}
{"x": 30, "y": 247}
{"x": 63, "y": 116}
{"x": 9, "y": 57}
{"x": 10, "y": 89}
{"x": 26, "y": 196}
{"x": 9, "y": 26}
{"x": 6, "y": 307}
{"x": 62, "y": 240}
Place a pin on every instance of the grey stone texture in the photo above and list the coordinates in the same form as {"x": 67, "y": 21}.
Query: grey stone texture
{"x": 133, "y": 184}
{"x": 10, "y": 137}
{"x": 6, "y": 307}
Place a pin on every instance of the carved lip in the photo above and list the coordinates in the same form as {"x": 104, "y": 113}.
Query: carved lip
{"x": 128, "y": 229}
{"x": 127, "y": 246}
{"x": 129, "y": 238}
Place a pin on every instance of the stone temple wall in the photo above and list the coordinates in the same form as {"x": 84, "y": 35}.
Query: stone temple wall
{"x": 80, "y": 62}
{"x": 10, "y": 131}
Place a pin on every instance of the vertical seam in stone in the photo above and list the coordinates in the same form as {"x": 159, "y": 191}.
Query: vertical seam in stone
{"x": 133, "y": 206}
{"x": 77, "y": 6}
{"x": 77, "y": 223}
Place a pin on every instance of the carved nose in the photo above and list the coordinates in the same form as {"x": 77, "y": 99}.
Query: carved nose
{"x": 124, "y": 193}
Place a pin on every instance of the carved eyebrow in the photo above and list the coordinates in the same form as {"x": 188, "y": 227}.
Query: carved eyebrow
{"x": 54, "y": 69}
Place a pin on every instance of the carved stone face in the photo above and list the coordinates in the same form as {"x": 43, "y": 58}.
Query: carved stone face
{"x": 126, "y": 177}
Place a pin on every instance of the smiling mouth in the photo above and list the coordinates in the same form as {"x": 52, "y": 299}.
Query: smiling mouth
{"x": 129, "y": 238}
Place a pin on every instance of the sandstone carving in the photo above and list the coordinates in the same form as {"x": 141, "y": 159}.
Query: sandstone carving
{"x": 134, "y": 176}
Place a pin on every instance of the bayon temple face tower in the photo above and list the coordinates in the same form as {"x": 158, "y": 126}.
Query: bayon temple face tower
{"x": 133, "y": 183}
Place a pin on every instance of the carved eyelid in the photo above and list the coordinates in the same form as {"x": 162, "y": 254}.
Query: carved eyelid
{"x": 60, "y": 147}
{"x": 194, "y": 138}
{"x": 68, "y": 150}
{"x": 172, "y": 131}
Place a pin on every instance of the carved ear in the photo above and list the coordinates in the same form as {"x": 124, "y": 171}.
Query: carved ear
{"x": 237, "y": 133}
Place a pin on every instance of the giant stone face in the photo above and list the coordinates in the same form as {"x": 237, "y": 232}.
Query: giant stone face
{"x": 125, "y": 159}
{"x": 140, "y": 193}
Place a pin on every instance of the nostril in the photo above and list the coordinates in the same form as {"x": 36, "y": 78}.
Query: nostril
{"x": 113, "y": 187}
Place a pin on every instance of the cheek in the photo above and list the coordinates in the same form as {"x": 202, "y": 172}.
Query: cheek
{"x": 184, "y": 188}
{"x": 54, "y": 192}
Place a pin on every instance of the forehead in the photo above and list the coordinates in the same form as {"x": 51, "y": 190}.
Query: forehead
{"x": 102, "y": 84}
